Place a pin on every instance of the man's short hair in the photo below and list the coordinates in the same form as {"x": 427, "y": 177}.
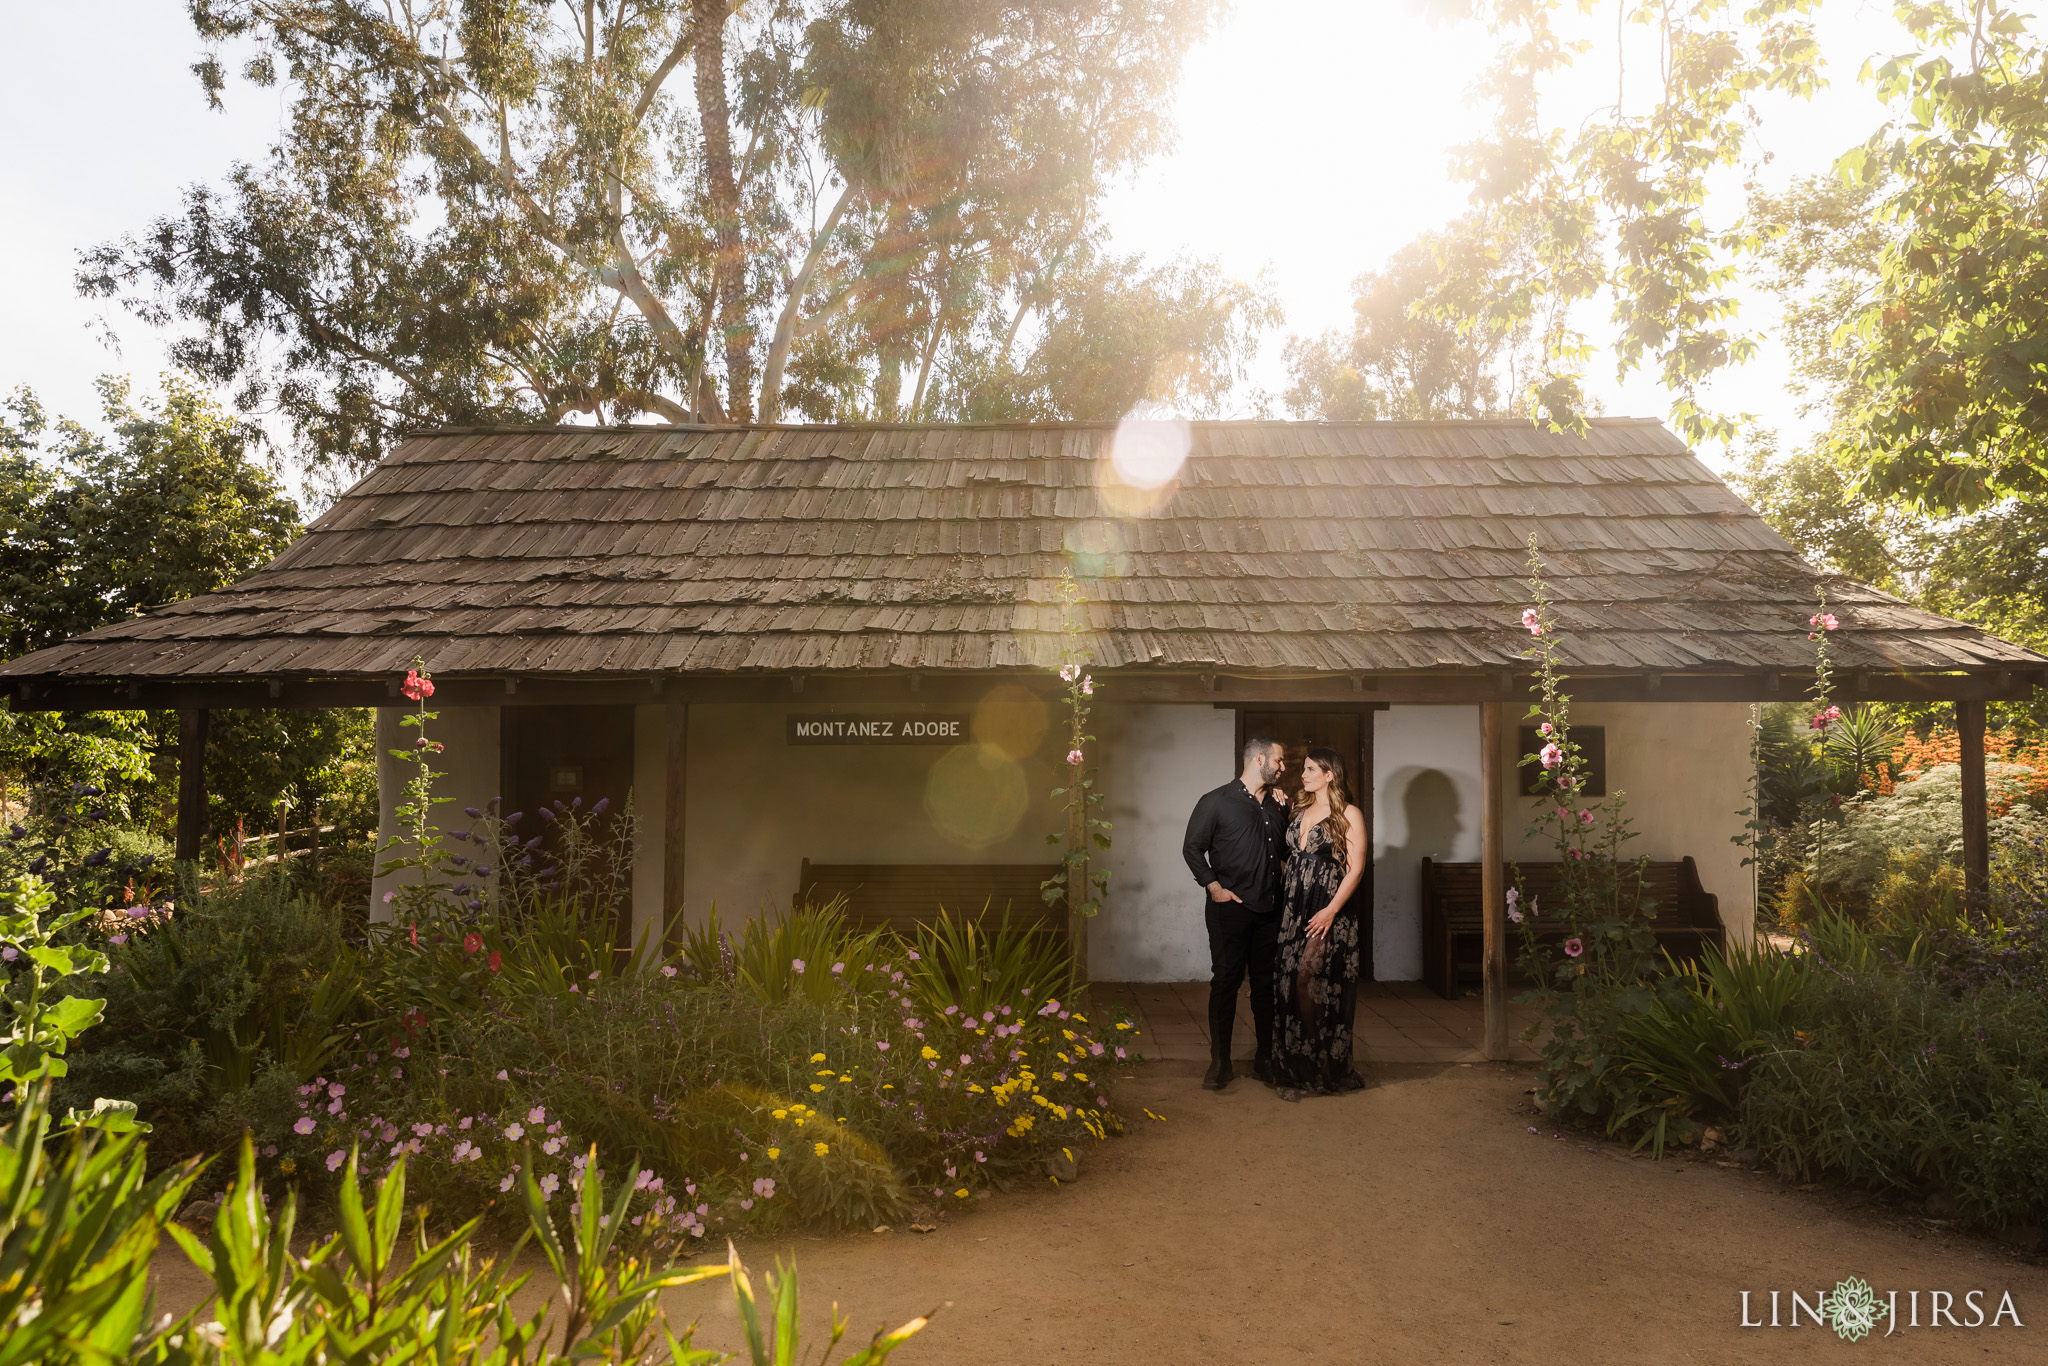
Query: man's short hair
{"x": 1255, "y": 745}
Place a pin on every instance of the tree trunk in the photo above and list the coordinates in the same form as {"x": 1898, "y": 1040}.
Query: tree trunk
{"x": 730, "y": 275}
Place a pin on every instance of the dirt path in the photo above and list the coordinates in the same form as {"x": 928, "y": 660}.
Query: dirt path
{"x": 1416, "y": 1222}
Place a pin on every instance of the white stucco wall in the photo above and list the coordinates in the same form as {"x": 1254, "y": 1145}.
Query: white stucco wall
{"x": 1685, "y": 769}
{"x": 757, "y": 806}
{"x": 1157, "y": 760}
{"x": 469, "y": 763}
{"x": 1425, "y": 762}
{"x": 650, "y": 821}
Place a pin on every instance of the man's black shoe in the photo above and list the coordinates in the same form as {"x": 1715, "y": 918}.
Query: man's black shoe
{"x": 1263, "y": 1070}
{"x": 1217, "y": 1077}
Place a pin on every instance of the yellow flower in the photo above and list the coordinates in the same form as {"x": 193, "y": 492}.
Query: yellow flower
{"x": 976, "y": 1088}
{"x": 1069, "y": 1034}
{"x": 888, "y": 1086}
{"x": 962, "y": 1192}
{"x": 821, "y": 1148}
{"x": 1123, "y": 1024}
{"x": 1059, "y": 1076}
{"x": 1082, "y": 1018}
{"x": 845, "y": 1078}
{"x": 782, "y": 1114}
{"x": 817, "y": 1086}
{"x": 817, "y": 1057}
{"x": 774, "y": 1153}
{"x": 1080, "y": 1076}
{"x": 930, "y": 1052}
{"x": 823, "y": 1072}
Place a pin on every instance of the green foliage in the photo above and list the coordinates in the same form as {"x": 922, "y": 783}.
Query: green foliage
{"x": 964, "y": 964}
{"x": 1899, "y": 1085}
{"x": 1688, "y": 1054}
{"x": 77, "y": 1234}
{"x": 79, "y": 1221}
{"x": 219, "y": 1007}
{"x": 1423, "y": 344}
{"x": 102, "y": 529}
{"x": 863, "y": 213}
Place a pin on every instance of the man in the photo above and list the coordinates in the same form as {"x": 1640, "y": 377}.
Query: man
{"x": 1234, "y": 847}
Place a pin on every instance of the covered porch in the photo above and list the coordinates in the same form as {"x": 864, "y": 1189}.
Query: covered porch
{"x": 696, "y": 617}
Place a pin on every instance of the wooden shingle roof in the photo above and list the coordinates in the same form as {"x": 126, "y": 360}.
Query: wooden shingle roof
{"x": 1286, "y": 548}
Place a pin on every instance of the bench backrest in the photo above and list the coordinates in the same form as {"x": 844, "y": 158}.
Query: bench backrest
{"x": 900, "y": 896}
{"x": 1673, "y": 888}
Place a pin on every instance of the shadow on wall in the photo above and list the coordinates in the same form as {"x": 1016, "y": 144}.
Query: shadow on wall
{"x": 1432, "y": 819}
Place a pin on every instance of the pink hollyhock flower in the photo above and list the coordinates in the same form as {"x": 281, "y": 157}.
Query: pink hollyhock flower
{"x": 1585, "y": 818}
{"x": 1545, "y": 730}
{"x": 1087, "y": 687}
{"x": 1074, "y": 757}
{"x": 1574, "y": 946}
{"x": 417, "y": 686}
{"x": 1069, "y": 672}
{"x": 1824, "y": 620}
{"x": 1551, "y": 756}
{"x": 1514, "y": 915}
{"x": 1532, "y": 621}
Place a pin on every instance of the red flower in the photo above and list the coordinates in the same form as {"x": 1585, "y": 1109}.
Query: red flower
{"x": 472, "y": 942}
{"x": 417, "y": 686}
{"x": 494, "y": 961}
{"x": 414, "y": 931}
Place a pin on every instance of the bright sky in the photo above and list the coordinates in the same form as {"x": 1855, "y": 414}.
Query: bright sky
{"x": 1313, "y": 140}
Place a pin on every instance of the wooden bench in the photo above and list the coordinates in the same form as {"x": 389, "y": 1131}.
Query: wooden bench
{"x": 1687, "y": 916}
{"x": 901, "y": 896}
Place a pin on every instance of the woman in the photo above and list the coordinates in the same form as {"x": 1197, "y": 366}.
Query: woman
{"x": 1317, "y": 977}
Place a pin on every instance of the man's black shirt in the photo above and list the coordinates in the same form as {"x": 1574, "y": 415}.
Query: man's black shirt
{"x": 1236, "y": 841}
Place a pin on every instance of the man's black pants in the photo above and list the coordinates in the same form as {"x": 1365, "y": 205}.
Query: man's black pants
{"x": 1240, "y": 942}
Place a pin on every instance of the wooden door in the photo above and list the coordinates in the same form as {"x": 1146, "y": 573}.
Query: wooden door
{"x": 564, "y": 755}
{"x": 1350, "y": 734}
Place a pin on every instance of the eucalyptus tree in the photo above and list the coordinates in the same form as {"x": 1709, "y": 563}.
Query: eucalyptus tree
{"x": 507, "y": 210}
{"x": 1427, "y": 341}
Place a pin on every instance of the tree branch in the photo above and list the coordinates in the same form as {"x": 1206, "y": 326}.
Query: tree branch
{"x": 786, "y": 322}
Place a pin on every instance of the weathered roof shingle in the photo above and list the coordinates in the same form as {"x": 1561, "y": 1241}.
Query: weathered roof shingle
{"x": 1282, "y": 547}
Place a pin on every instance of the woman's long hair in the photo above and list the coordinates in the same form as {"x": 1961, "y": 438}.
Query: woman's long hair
{"x": 1332, "y": 763}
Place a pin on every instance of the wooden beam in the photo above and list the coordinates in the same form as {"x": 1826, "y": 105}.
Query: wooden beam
{"x": 1976, "y": 816}
{"x": 1492, "y": 880}
{"x": 674, "y": 817}
{"x": 939, "y": 689}
{"x": 191, "y": 783}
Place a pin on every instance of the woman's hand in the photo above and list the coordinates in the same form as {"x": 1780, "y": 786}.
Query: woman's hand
{"x": 1319, "y": 923}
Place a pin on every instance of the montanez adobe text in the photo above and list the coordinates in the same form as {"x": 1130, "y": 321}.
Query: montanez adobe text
{"x": 873, "y": 730}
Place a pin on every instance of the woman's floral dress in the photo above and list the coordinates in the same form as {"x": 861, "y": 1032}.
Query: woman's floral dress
{"x": 1316, "y": 983}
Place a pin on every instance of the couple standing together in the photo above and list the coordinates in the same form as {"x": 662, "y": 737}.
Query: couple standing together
{"x": 1280, "y": 909}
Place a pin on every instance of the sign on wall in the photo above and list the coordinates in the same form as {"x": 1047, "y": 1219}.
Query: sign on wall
{"x": 878, "y": 728}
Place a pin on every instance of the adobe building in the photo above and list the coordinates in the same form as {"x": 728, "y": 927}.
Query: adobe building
{"x": 823, "y": 658}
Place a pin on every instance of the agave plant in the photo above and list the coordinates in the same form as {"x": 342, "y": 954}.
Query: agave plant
{"x": 1859, "y": 742}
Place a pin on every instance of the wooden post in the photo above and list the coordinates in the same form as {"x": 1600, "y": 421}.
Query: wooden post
{"x": 1492, "y": 882}
{"x": 191, "y": 782}
{"x": 1976, "y": 822}
{"x": 673, "y": 810}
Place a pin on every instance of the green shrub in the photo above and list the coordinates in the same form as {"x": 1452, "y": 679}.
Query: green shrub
{"x": 216, "y": 1010}
{"x": 1690, "y": 1051}
{"x": 1896, "y": 1084}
